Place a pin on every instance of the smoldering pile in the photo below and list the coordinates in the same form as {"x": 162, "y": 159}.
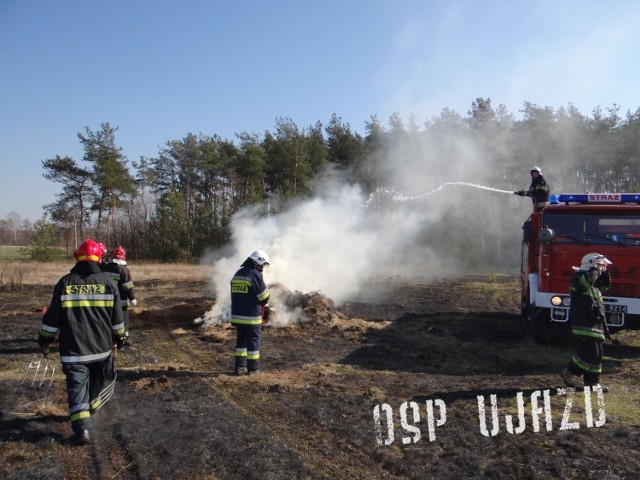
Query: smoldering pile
{"x": 289, "y": 307}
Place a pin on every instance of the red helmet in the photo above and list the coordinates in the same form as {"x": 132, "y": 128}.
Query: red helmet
{"x": 89, "y": 251}
{"x": 119, "y": 253}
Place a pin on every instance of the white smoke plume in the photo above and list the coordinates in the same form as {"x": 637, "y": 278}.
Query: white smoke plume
{"x": 331, "y": 243}
{"x": 339, "y": 239}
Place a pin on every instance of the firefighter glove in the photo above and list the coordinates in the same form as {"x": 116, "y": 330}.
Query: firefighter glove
{"x": 266, "y": 314}
{"x": 118, "y": 342}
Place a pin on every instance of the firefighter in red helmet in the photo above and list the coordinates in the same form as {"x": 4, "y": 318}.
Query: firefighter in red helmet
{"x": 116, "y": 267}
{"x": 103, "y": 250}
{"x": 85, "y": 314}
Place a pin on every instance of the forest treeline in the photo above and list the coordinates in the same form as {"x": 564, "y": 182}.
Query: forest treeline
{"x": 174, "y": 206}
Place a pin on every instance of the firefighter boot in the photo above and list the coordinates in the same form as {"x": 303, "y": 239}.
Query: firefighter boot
{"x": 596, "y": 386}
{"x": 593, "y": 380}
{"x": 570, "y": 380}
{"x": 80, "y": 438}
{"x": 241, "y": 371}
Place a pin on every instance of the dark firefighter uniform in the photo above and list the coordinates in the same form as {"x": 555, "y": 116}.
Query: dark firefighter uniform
{"x": 538, "y": 190}
{"x": 588, "y": 323}
{"x": 539, "y": 193}
{"x": 249, "y": 294}
{"x": 121, "y": 275}
{"x": 86, "y": 315}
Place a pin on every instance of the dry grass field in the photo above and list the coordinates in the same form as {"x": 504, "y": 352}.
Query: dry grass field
{"x": 361, "y": 390}
{"x": 48, "y": 273}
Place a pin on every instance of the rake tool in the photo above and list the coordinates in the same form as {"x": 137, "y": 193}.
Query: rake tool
{"x": 40, "y": 374}
{"x": 137, "y": 354}
{"x": 107, "y": 392}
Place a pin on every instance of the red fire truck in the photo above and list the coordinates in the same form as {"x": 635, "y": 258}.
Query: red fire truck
{"x": 554, "y": 242}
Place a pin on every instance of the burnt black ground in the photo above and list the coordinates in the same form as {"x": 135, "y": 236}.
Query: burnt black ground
{"x": 310, "y": 414}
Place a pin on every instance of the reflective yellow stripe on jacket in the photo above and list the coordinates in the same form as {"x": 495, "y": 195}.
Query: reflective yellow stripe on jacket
{"x": 244, "y": 320}
{"x": 87, "y": 300}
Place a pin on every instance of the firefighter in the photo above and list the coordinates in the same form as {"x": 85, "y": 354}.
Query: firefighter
{"x": 103, "y": 252}
{"x": 538, "y": 190}
{"x": 249, "y": 297}
{"x": 588, "y": 321}
{"x": 116, "y": 267}
{"x": 86, "y": 315}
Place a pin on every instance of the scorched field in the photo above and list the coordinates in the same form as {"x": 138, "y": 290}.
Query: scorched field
{"x": 432, "y": 379}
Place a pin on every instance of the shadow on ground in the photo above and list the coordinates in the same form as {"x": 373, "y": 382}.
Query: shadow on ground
{"x": 455, "y": 344}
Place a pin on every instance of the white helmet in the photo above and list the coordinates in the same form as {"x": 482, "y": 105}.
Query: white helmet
{"x": 536, "y": 169}
{"x": 591, "y": 260}
{"x": 260, "y": 258}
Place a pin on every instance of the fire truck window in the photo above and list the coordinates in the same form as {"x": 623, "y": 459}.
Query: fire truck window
{"x": 623, "y": 225}
{"x": 566, "y": 228}
{"x": 624, "y": 229}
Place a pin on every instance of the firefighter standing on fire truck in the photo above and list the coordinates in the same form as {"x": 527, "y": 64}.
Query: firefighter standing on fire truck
{"x": 538, "y": 190}
{"x": 116, "y": 267}
{"x": 588, "y": 320}
{"x": 85, "y": 311}
{"x": 249, "y": 297}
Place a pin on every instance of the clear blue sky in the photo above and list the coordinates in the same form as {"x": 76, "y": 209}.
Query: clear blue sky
{"x": 161, "y": 69}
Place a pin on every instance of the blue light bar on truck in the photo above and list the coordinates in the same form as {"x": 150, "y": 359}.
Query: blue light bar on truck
{"x": 599, "y": 198}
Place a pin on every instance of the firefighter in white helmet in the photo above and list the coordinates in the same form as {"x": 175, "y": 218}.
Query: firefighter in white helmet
{"x": 588, "y": 321}
{"x": 249, "y": 297}
{"x": 538, "y": 190}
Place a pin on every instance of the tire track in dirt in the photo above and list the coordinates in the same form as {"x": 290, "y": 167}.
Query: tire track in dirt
{"x": 137, "y": 396}
{"x": 130, "y": 462}
{"x": 325, "y": 453}
{"x": 198, "y": 410}
{"x": 335, "y": 457}
{"x": 106, "y": 457}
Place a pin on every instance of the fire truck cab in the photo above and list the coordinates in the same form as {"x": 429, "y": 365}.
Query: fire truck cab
{"x": 554, "y": 241}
